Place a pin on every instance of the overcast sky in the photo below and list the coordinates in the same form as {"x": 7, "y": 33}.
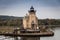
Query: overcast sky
{"x": 44, "y": 8}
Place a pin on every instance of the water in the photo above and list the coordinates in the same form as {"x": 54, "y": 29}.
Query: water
{"x": 55, "y": 37}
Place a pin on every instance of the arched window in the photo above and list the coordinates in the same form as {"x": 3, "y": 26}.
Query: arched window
{"x": 32, "y": 24}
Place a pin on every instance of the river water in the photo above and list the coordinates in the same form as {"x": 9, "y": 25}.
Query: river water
{"x": 55, "y": 37}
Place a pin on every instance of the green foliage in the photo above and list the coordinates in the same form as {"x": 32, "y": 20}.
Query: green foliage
{"x": 18, "y": 21}
{"x": 49, "y": 22}
{"x": 11, "y": 22}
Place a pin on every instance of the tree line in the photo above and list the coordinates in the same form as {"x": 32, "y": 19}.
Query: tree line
{"x": 19, "y": 22}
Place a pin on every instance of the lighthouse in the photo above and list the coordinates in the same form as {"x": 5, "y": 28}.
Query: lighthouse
{"x": 30, "y": 21}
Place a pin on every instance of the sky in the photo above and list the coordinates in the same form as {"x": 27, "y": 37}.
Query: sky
{"x": 44, "y": 8}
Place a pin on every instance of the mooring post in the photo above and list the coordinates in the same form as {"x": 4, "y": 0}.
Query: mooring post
{"x": 15, "y": 32}
{"x": 15, "y": 38}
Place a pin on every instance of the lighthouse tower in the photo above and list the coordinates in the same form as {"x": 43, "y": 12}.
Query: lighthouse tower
{"x": 30, "y": 21}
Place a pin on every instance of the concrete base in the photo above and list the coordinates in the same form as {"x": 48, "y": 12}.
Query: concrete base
{"x": 30, "y": 38}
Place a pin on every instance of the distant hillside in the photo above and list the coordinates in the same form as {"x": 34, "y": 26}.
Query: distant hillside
{"x": 10, "y": 21}
{"x": 9, "y": 17}
{"x": 17, "y": 21}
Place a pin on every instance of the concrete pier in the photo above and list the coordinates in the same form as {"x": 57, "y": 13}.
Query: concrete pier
{"x": 29, "y": 34}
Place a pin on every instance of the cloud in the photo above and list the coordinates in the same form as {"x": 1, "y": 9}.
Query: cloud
{"x": 50, "y": 2}
{"x": 45, "y": 8}
{"x": 49, "y": 12}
